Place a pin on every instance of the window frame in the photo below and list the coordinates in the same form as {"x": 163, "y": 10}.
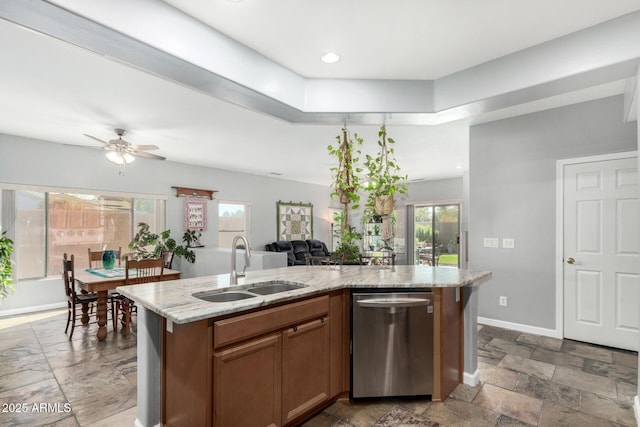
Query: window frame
{"x": 247, "y": 218}
{"x": 9, "y": 213}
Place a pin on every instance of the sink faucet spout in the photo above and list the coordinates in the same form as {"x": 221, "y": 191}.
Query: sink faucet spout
{"x": 247, "y": 255}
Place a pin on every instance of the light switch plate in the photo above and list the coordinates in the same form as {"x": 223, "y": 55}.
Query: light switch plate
{"x": 490, "y": 242}
{"x": 508, "y": 243}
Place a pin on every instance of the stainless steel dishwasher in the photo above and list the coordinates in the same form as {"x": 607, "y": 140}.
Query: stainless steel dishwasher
{"x": 391, "y": 344}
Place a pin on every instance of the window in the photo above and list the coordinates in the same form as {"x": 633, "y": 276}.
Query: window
{"x": 437, "y": 235}
{"x": 49, "y": 224}
{"x": 233, "y": 219}
{"x": 30, "y": 241}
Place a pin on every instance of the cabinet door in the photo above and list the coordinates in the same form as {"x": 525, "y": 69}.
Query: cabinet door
{"x": 339, "y": 343}
{"x": 247, "y": 384}
{"x": 305, "y": 368}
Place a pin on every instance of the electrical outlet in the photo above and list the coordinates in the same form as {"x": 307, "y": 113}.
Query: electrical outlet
{"x": 508, "y": 243}
{"x": 503, "y": 301}
{"x": 490, "y": 242}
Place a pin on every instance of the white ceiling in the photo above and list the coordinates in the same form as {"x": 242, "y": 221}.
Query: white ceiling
{"x": 397, "y": 39}
{"x": 56, "y": 91}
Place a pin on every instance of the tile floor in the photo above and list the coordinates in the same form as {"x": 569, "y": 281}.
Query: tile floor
{"x": 526, "y": 380}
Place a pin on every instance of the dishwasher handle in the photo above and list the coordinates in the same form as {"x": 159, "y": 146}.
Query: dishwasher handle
{"x": 394, "y": 302}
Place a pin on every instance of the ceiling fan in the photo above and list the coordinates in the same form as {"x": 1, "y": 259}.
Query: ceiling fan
{"x": 122, "y": 152}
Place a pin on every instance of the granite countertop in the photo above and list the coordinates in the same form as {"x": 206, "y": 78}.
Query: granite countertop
{"x": 174, "y": 301}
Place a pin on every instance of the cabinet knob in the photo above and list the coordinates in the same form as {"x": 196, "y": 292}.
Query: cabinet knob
{"x": 295, "y": 329}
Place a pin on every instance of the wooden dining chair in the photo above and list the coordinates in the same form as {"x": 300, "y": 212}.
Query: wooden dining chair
{"x": 95, "y": 257}
{"x": 74, "y": 299}
{"x": 136, "y": 272}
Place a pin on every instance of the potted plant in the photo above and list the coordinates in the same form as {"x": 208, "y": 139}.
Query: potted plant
{"x": 383, "y": 176}
{"x": 346, "y": 185}
{"x": 6, "y": 266}
{"x": 347, "y": 248}
{"x": 192, "y": 238}
{"x": 384, "y": 180}
{"x": 146, "y": 245}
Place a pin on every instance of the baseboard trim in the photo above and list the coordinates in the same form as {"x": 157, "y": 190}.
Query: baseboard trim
{"x": 34, "y": 309}
{"x": 137, "y": 423}
{"x": 519, "y": 327}
{"x": 471, "y": 379}
{"x": 636, "y": 406}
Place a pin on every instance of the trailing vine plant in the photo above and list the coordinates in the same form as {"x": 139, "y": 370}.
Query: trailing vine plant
{"x": 345, "y": 186}
{"x": 384, "y": 180}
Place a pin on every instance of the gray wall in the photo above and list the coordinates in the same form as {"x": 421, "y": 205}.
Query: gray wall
{"x": 512, "y": 176}
{"x": 34, "y": 162}
{"x": 436, "y": 190}
{"x": 637, "y": 100}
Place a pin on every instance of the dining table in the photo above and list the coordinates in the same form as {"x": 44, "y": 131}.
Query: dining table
{"x": 102, "y": 281}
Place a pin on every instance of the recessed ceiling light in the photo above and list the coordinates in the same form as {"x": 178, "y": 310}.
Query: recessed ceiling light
{"x": 458, "y": 166}
{"x": 330, "y": 57}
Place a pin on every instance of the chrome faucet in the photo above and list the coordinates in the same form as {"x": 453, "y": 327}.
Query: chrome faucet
{"x": 247, "y": 254}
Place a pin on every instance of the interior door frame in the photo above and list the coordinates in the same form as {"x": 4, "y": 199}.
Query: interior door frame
{"x": 560, "y": 164}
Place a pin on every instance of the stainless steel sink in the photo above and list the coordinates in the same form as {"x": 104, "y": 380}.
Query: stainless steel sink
{"x": 274, "y": 287}
{"x": 228, "y": 296}
{"x": 248, "y": 291}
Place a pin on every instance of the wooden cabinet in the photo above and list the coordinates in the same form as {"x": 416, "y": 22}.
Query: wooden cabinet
{"x": 272, "y": 367}
{"x": 265, "y": 374}
{"x": 339, "y": 343}
{"x": 247, "y": 383}
{"x": 305, "y": 368}
{"x": 448, "y": 342}
{"x": 279, "y": 365}
{"x": 186, "y": 374}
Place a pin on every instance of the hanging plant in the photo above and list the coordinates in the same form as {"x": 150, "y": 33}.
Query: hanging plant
{"x": 345, "y": 186}
{"x": 384, "y": 180}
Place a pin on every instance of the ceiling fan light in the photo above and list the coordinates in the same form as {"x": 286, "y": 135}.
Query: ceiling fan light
{"x": 115, "y": 157}
{"x": 119, "y": 158}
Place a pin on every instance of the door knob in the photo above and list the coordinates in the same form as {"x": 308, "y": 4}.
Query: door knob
{"x": 571, "y": 261}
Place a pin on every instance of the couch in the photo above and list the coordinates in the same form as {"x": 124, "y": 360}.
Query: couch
{"x": 297, "y": 250}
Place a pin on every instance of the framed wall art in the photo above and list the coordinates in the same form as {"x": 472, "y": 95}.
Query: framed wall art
{"x": 195, "y": 214}
{"x": 295, "y": 220}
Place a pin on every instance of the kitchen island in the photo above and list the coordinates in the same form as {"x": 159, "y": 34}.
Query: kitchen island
{"x": 195, "y": 357}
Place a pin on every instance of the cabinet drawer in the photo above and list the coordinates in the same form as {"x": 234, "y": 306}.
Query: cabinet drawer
{"x": 239, "y": 328}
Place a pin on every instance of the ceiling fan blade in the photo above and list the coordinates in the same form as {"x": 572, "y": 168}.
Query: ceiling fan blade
{"x": 93, "y": 147}
{"x": 97, "y": 139}
{"x": 144, "y": 147}
{"x": 147, "y": 155}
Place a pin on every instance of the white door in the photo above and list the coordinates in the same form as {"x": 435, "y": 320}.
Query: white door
{"x": 601, "y": 252}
